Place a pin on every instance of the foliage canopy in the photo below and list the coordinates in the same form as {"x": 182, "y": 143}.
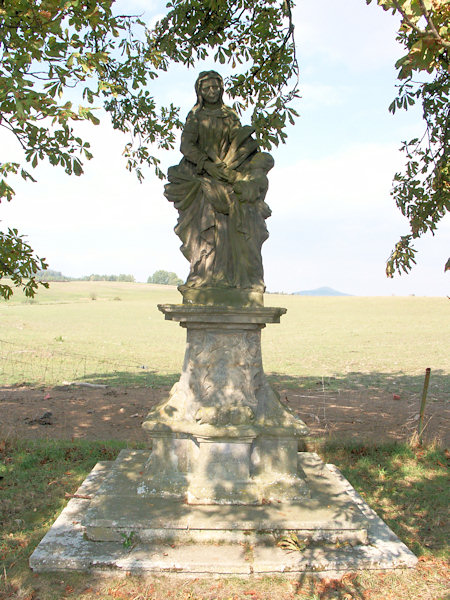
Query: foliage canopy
{"x": 422, "y": 190}
{"x": 52, "y": 49}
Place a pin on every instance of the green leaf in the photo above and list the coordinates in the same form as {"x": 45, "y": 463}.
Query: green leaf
{"x": 77, "y": 167}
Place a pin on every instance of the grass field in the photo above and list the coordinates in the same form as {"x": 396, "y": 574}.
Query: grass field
{"x": 113, "y": 332}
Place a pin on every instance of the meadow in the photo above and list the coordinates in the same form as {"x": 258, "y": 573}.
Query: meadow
{"x": 112, "y": 332}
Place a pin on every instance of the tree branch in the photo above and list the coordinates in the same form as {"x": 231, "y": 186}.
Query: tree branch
{"x": 435, "y": 32}
{"x": 407, "y": 19}
{"x": 13, "y": 130}
{"x": 418, "y": 30}
{"x": 289, "y": 34}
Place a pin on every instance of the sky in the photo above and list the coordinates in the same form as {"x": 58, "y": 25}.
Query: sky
{"x": 333, "y": 220}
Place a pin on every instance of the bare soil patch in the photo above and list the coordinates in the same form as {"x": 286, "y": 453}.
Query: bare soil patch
{"x": 70, "y": 411}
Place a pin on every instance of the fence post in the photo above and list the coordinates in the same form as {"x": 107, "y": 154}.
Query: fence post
{"x": 423, "y": 403}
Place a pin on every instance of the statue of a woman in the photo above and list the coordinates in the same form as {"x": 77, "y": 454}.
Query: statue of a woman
{"x": 219, "y": 189}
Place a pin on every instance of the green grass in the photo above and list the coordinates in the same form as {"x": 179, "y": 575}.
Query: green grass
{"x": 67, "y": 336}
{"x": 347, "y": 342}
{"x": 34, "y": 478}
{"x": 406, "y": 486}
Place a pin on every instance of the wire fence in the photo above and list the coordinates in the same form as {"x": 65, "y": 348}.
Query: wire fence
{"x": 20, "y": 364}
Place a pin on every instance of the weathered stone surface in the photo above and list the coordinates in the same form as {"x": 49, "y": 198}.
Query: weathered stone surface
{"x": 221, "y": 314}
{"x": 126, "y": 502}
{"x": 223, "y": 391}
{"x": 223, "y": 435}
{"x": 210, "y": 296}
{"x": 65, "y": 547}
{"x": 218, "y": 190}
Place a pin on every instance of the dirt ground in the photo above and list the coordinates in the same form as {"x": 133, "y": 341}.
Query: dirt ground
{"x": 103, "y": 413}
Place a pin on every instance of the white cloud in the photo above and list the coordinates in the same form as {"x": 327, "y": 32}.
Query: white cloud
{"x": 103, "y": 221}
{"x": 334, "y": 223}
{"x": 361, "y": 36}
{"x": 357, "y": 178}
{"x": 130, "y": 7}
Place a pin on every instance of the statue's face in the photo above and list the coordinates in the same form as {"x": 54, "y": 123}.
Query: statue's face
{"x": 210, "y": 90}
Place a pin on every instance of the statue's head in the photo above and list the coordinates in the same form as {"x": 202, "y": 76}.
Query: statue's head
{"x": 205, "y": 78}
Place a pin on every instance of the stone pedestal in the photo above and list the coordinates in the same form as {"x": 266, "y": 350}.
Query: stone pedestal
{"x": 223, "y": 482}
{"x": 223, "y": 435}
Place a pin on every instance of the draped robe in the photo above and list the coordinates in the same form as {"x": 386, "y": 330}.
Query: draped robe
{"x": 221, "y": 225}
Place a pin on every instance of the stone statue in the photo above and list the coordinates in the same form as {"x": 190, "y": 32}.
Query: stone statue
{"x": 219, "y": 189}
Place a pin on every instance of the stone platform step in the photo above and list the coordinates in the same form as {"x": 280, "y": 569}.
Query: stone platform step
{"x": 123, "y": 506}
{"x": 66, "y": 546}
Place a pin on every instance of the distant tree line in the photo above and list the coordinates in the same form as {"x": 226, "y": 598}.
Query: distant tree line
{"x": 165, "y": 278}
{"x": 95, "y": 277}
{"x": 49, "y": 275}
{"x": 161, "y": 277}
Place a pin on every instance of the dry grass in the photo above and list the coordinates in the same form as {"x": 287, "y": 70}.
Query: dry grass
{"x": 348, "y": 342}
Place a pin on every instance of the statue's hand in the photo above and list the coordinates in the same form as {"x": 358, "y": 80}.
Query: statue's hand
{"x": 216, "y": 171}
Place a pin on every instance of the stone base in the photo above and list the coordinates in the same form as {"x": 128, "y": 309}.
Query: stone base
{"x": 223, "y": 436}
{"x": 145, "y": 535}
{"x": 202, "y": 470}
{"x": 209, "y": 296}
{"x": 125, "y": 503}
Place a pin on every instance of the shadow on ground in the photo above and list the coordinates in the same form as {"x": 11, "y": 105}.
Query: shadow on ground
{"x": 143, "y": 378}
{"x": 393, "y": 382}
{"x": 408, "y": 486}
{"x": 408, "y": 489}
{"x": 364, "y": 406}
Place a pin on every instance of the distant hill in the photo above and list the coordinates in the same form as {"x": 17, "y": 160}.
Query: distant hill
{"x": 322, "y": 291}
